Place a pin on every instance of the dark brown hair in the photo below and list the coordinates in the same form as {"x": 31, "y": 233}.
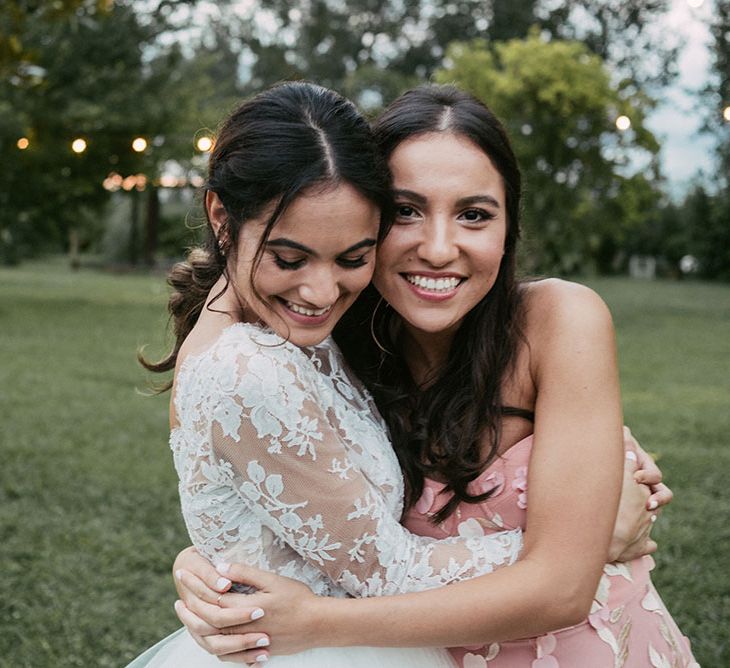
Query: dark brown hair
{"x": 439, "y": 429}
{"x": 280, "y": 144}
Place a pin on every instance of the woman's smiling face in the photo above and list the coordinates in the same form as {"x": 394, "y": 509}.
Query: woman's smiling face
{"x": 318, "y": 258}
{"x": 443, "y": 254}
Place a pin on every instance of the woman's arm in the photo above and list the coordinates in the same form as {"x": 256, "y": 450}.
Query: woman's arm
{"x": 574, "y": 483}
{"x": 277, "y": 440}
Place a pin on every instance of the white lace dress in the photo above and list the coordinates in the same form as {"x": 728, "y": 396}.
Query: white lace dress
{"x": 285, "y": 463}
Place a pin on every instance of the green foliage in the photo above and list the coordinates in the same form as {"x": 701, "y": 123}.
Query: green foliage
{"x": 109, "y": 71}
{"x": 621, "y": 34}
{"x": 105, "y": 77}
{"x": 89, "y": 515}
{"x": 708, "y": 219}
{"x": 558, "y": 103}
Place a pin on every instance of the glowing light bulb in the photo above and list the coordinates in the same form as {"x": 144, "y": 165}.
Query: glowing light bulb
{"x": 78, "y": 145}
{"x": 139, "y": 144}
{"x": 726, "y": 113}
{"x": 204, "y": 144}
{"x": 23, "y": 143}
{"x": 623, "y": 123}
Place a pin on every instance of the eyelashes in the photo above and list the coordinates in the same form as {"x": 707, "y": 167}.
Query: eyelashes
{"x": 347, "y": 263}
{"x": 352, "y": 263}
{"x": 477, "y": 216}
{"x": 289, "y": 266}
{"x": 406, "y": 213}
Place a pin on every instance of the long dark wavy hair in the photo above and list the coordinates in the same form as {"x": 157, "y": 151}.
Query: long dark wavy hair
{"x": 439, "y": 430}
{"x": 278, "y": 145}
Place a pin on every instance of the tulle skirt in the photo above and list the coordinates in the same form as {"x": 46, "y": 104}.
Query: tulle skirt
{"x": 179, "y": 650}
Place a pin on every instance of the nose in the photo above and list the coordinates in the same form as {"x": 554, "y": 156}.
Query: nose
{"x": 438, "y": 242}
{"x": 321, "y": 289}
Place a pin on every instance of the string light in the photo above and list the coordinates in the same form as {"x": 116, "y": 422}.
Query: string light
{"x": 78, "y": 145}
{"x": 204, "y": 143}
{"x": 139, "y": 144}
{"x": 23, "y": 143}
{"x": 623, "y": 123}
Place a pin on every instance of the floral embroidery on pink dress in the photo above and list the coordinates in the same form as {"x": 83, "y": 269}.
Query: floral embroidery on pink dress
{"x": 628, "y": 626}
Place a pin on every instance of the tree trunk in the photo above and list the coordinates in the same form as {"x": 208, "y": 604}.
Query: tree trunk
{"x": 73, "y": 249}
{"x": 152, "y": 225}
{"x": 134, "y": 229}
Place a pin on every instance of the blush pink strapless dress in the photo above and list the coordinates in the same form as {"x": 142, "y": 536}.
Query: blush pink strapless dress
{"x": 629, "y": 626}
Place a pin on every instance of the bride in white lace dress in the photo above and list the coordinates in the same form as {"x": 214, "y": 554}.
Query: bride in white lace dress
{"x": 283, "y": 460}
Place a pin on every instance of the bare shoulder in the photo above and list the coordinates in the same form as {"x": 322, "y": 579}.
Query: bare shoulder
{"x": 559, "y": 311}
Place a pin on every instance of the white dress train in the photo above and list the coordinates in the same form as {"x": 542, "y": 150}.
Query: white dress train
{"x": 179, "y": 650}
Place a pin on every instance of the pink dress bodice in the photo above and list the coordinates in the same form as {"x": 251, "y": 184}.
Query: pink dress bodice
{"x": 629, "y": 626}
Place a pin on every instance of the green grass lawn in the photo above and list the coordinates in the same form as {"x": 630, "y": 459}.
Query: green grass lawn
{"x": 89, "y": 515}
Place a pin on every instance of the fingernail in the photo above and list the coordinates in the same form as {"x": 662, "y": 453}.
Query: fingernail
{"x": 222, "y": 583}
{"x": 177, "y": 604}
{"x": 261, "y": 658}
{"x": 257, "y": 614}
{"x": 178, "y": 574}
{"x": 223, "y": 567}
{"x": 262, "y": 642}
{"x": 653, "y": 505}
{"x": 653, "y": 518}
{"x": 631, "y": 455}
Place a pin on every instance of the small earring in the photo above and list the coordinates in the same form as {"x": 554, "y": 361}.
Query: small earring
{"x": 372, "y": 327}
{"x": 221, "y": 247}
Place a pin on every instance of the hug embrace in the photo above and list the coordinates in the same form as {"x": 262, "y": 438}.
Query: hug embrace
{"x": 367, "y": 406}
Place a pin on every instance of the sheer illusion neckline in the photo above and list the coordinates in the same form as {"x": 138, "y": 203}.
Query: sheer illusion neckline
{"x": 258, "y": 327}
{"x": 193, "y": 360}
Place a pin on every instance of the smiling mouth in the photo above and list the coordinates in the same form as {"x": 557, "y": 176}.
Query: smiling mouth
{"x": 305, "y": 311}
{"x": 436, "y": 285}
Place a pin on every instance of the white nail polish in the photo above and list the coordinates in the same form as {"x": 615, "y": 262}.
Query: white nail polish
{"x": 631, "y": 455}
{"x": 653, "y": 518}
{"x": 653, "y": 504}
{"x": 262, "y": 642}
{"x": 261, "y": 658}
{"x": 257, "y": 614}
{"x": 223, "y": 567}
{"x": 222, "y": 583}
{"x": 178, "y": 574}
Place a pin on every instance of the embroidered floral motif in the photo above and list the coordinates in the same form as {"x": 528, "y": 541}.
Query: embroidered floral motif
{"x": 519, "y": 484}
{"x": 284, "y": 463}
{"x": 493, "y": 483}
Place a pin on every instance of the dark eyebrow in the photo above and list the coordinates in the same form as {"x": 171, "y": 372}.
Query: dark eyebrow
{"x": 288, "y": 243}
{"x": 477, "y": 199}
{"x": 409, "y": 194}
{"x": 463, "y": 202}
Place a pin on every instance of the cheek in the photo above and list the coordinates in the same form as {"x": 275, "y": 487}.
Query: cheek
{"x": 270, "y": 280}
{"x": 387, "y": 252}
{"x": 356, "y": 281}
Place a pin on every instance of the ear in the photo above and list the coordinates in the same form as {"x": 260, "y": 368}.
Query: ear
{"x": 217, "y": 215}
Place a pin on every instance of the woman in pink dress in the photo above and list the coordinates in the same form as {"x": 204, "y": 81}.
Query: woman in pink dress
{"x": 503, "y": 404}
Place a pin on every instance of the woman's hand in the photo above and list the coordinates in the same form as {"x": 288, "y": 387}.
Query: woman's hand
{"x": 642, "y": 494}
{"x": 200, "y": 588}
{"x": 648, "y": 473}
{"x": 233, "y": 626}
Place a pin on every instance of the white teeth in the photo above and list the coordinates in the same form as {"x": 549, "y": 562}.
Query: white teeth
{"x": 307, "y": 311}
{"x": 434, "y": 284}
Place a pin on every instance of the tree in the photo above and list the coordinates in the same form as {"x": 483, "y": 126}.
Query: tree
{"x": 102, "y": 76}
{"x": 709, "y": 212}
{"x": 376, "y": 48}
{"x": 560, "y": 108}
{"x": 622, "y": 33}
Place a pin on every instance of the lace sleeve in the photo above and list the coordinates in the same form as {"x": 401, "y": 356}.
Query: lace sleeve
{"x": 287, "y": 458}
